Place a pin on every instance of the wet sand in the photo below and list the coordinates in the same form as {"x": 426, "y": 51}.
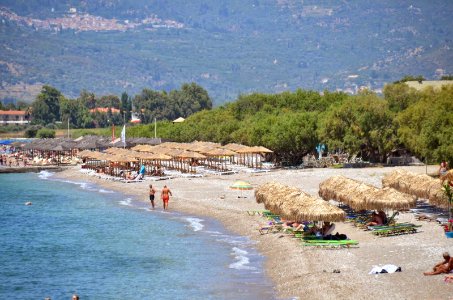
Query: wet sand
{"x": 302, "y": 272}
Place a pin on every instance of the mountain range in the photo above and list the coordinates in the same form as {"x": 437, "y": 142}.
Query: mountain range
{"x": 229, "y": 47}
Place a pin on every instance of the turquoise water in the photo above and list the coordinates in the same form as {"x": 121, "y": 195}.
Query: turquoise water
{"x": 78, "y": 238}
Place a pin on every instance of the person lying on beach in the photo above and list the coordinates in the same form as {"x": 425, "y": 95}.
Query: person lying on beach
{"x": 295, "y": 226}
{"x": 376, "y": 220}
{"x": 444, "y": 267}
{"x": 327, "y": 228}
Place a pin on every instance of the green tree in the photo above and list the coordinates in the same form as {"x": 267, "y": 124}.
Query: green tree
{"x": 45, "y": 133}
{"x": 361, "y": 123}
{"x": 88, "y": 99}
{"x": 46, "y": 107}
{"x": 31, "y": 131}
{"x": 418, "y": 78}
{"x": 399, "y": 96}
{"x": 425, "y": 127}
{"x": 126, "y": 106}
{"x": 111, "y": 101}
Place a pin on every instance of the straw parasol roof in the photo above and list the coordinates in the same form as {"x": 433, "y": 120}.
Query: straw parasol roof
{"x": 84, "y": 153}
{"x": 142, "y": 148}
{"x": 190, "y": 154}
{"x": 172, "y": 152}
{"x": 246, "y": 149}
{"x": 154, "y": 156}
{"x": 233, "y": 147}
{"x": 261, "y": 149}
{"x": 359, "y": 195}
{"x": 121, "y": 158}
{"x": 220, "y": 152}
{"x": 292, "y": 203}
{"x": 97, "y": 155}
{"x": 389, "y": 198}
{"x": 421, "y": 186}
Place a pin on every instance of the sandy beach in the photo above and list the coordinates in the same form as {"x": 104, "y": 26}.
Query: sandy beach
{"x": 299, "y": 272}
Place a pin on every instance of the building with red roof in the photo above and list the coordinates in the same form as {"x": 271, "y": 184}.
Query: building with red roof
{"x": 14, "y": 117}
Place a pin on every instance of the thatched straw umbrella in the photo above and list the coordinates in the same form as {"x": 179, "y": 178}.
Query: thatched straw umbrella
{"x": 234, "y": 147}
{"x": 294, "y": 204}
{"x": 389, "y": 198}
{"x": 359, "y": 195}
{"x": 187, "y": 157}
{"x": 346, "y": 190}
{"x": 421, "y": 186}
{"x": 219, "y": 154}
{"x": 84, "y": 153}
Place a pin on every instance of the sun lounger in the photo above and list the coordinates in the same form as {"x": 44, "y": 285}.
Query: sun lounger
{"x": 330, "y": 244}
{"x": 256, "y": 170}
{"x": 398, "y": 229}
{"x": 131, "y": 181}
{"x": 257, "y": 212}
{"x": 158, "y": 178}
{"x": 272, "y": 228}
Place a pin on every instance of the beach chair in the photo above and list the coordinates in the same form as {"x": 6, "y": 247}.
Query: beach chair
{"x": 330, "y": 244}
{"x": 257, "y": 212}
{"x": 270, "y": 228}
{"x": 397, "y": 229}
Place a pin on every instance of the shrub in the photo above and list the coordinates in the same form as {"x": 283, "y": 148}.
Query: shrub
{"x": 31, "y": 131}
{"x": 45, "y": 133}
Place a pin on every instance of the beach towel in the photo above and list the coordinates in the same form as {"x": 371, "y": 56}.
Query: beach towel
{"x": 385, "y": 269}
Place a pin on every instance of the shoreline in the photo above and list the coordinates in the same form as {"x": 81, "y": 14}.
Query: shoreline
{"x": 301, "y": 272}
{"x": 31, "y": 169}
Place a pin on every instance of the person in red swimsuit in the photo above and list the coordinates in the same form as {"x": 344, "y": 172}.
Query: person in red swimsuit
{"x": 165, "y": 195}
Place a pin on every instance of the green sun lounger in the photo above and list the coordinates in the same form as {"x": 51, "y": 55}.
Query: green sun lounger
{"x": 330, "y": 243}
{"x": 395, "y": 230}
{"x": 257, "y": 212}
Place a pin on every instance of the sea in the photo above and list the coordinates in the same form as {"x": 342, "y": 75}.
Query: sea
{"x": 77, "y": 238}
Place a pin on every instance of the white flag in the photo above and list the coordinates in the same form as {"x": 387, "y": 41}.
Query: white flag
{"x": 123, "y": 135}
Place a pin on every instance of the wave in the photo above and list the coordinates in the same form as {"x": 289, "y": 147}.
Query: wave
{"x": 242, "y": 260}
{"x": 45, "y": 174}
{"x": 195, "y": 223}
{"x": 105, "y": 191}
{"x": 126, "y": 202}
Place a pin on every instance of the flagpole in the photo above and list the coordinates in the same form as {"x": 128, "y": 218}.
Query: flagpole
{"x": 124, "y": 121}
{"x": 155, "y": 128}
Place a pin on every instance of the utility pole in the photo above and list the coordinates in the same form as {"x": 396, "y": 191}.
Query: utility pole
{"x": 155, "y": 128}
{"x": 68, "y": 127}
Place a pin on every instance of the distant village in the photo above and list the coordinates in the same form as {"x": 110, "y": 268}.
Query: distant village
{"x": 86, "y": 22}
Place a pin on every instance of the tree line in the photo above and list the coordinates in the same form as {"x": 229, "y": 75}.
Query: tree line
{"x": 292, "y": 124}
{"x": 52, "y": 107}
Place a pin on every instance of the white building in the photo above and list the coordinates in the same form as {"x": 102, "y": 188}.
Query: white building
{"x": 14, "y": 117}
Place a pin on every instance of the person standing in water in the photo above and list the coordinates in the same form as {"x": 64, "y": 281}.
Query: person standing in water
{"x": 165, "y": 195}
{"x": 152, "y": 191}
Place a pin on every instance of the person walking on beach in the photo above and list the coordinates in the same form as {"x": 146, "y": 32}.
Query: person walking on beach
{"x": 165, "y": 195}
{"x": 152, "y": 191}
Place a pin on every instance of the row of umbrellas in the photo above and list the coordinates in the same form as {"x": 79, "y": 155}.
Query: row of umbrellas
{"x": 360, "y": 196}
{"x": 294, "y": 204}
{"x": 419, "y": 185}
{"x": 94, "y": 142}
{"x": 84, "y": 142}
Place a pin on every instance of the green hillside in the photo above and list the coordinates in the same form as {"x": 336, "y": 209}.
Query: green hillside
{"x": 228, "y": 47}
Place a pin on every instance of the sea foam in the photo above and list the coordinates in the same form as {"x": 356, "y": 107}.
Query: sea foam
{"x": 45, "y": 174}
{"x": 242, "y": 260}
{"x": 195, "y": 223}
{"x": 126, "y": 202}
